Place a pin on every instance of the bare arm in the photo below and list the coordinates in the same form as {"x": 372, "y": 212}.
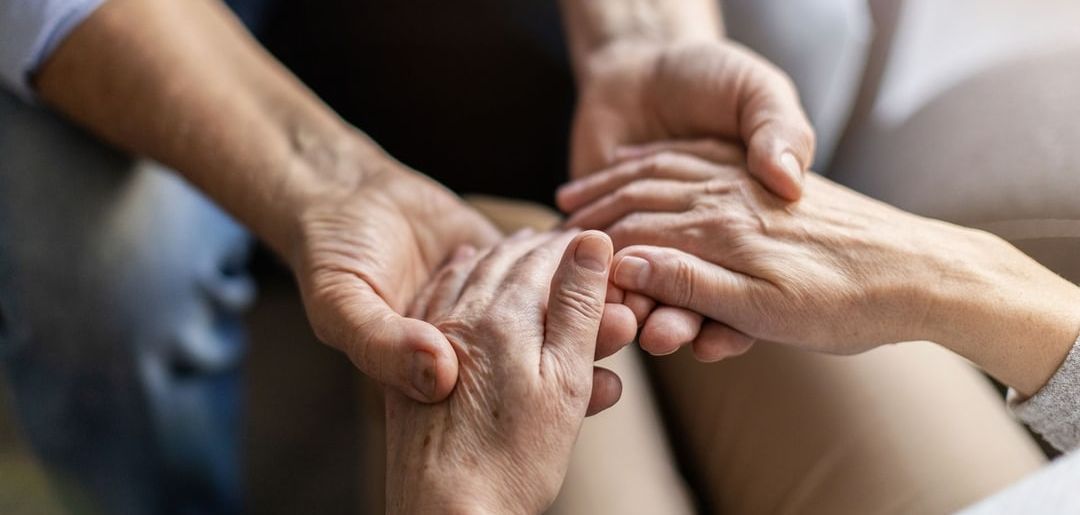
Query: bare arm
{"x": 183, "y": 83}
{"x": 189, "y": 87}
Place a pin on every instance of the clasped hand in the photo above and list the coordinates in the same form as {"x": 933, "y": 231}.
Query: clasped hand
{"x": 524, "y": 326}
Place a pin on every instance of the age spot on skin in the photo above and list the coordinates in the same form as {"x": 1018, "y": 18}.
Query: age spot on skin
{"x": 495, "y": 413}
{"x": 427, "y": 441}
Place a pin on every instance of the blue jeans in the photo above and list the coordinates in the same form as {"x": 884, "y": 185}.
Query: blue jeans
{"x": 121, "y": 294}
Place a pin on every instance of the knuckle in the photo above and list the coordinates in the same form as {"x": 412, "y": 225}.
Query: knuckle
{"x": 639, "y": 190}
{"x": 580, "y": 301}
{"x": 654, "y": 164}
{"x": 537, "y": 258}
{"x": 682, "y": 285}
{"x": 663, "y": 161}
{"x": 576, "y": 388}
{"x": 631, "y": 229}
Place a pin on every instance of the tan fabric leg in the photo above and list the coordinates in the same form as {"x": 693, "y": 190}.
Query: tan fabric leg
{"x": 904, "y": 429}
{"x": 622, "y": 463}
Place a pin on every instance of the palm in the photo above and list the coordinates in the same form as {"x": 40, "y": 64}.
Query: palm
{"x": 394, "y": 234}
{"x": 366, "y": 255}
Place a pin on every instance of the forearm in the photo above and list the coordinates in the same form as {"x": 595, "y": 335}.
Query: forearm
{"x": 595, "y": 25}
{"x": 1005, "y": 312}
{"x": 183, "y": 83}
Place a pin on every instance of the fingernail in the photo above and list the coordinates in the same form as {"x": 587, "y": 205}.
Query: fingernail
{"x": 592, "y": 253}
{"x": 632, "y": 273}
{"x": 791, "y": 167}
{"x": 423, "y": 373}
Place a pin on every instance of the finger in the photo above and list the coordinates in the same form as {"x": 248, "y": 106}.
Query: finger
{"x": 668, "y": 329}
{"x": 676, "y": 278}
{"x": 489, "y": 273}
{"x": 657, "y": 229}
{"x": 779, "y": 138}
{"x": 614, "y": 294}
{"x": 774, "y": 157}
{"x": 618, "y": 327}
{"x": 640, "y": 305}
{"x": 404, "y": 353}
{"x": 606, "y": 391}
{"x": 419, "y": 307}
{"x": 752, "y": 98}
{"x": 649, "y": 195}
{"x": 446, "y": 293}
{"x": 719, "y": 341}
{"x": 576, "y": 305}
{"x": 665, "y": 165}
{"x": 713, "y": 150}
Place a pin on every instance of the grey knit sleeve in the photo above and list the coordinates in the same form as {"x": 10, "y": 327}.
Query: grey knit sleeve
{"x": 1054, "y": 411}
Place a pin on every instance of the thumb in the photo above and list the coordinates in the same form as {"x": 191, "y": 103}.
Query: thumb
{"x": 404, "y": 353}
{"x": 779, "y": 138}
{"x": 576, "y": 303}
{"x": 743, "y": 95}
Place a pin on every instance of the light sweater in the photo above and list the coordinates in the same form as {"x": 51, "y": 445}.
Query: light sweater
{"x": 1054, "y": 412}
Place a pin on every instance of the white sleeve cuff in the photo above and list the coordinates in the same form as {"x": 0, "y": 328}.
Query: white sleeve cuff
{"x": 30, "y": 30}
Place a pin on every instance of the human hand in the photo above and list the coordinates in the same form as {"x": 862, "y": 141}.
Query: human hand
{"x": 618, "y": 325}
{"x": 663, "y": 328}
{"x": 364, "y": 253}
{"x": 636, "y": 93}
{"x": 835, "y": 272}
{"x": 524, "y": 326}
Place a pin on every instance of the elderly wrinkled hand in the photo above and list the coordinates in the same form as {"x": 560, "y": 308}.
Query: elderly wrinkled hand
{"x": 524, "y": 327}
{"x": 638, "y": 93}
{"x": 831, "y": 272}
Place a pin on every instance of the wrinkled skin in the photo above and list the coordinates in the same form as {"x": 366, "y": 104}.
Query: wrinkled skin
{"x": 524, "y": 326}
{"x": 366, "y": 252}
{"x": 635, "y": 94}
{"x": 833, "y": 272}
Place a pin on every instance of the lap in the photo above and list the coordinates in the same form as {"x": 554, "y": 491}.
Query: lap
{"x": 903, "y": 429}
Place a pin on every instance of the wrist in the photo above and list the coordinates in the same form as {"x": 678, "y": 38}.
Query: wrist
{"x": 319, "y": 170}
{"x": 429, "y": 484}
{"x": 427, "y": 471}
{"x": 595, "y": 29}
{"x": 1005, "y": 312}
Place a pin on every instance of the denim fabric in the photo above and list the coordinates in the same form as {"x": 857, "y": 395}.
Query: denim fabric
{"x": 121, "y": 292}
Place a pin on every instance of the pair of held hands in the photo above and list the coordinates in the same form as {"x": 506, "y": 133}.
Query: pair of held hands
{"x": 715, "y": 250}
{"x": 390, "y": 276}
{"x": 719, "y": 245}
{"x": 366, "y": 251}
{"x": 709, "y": 257}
